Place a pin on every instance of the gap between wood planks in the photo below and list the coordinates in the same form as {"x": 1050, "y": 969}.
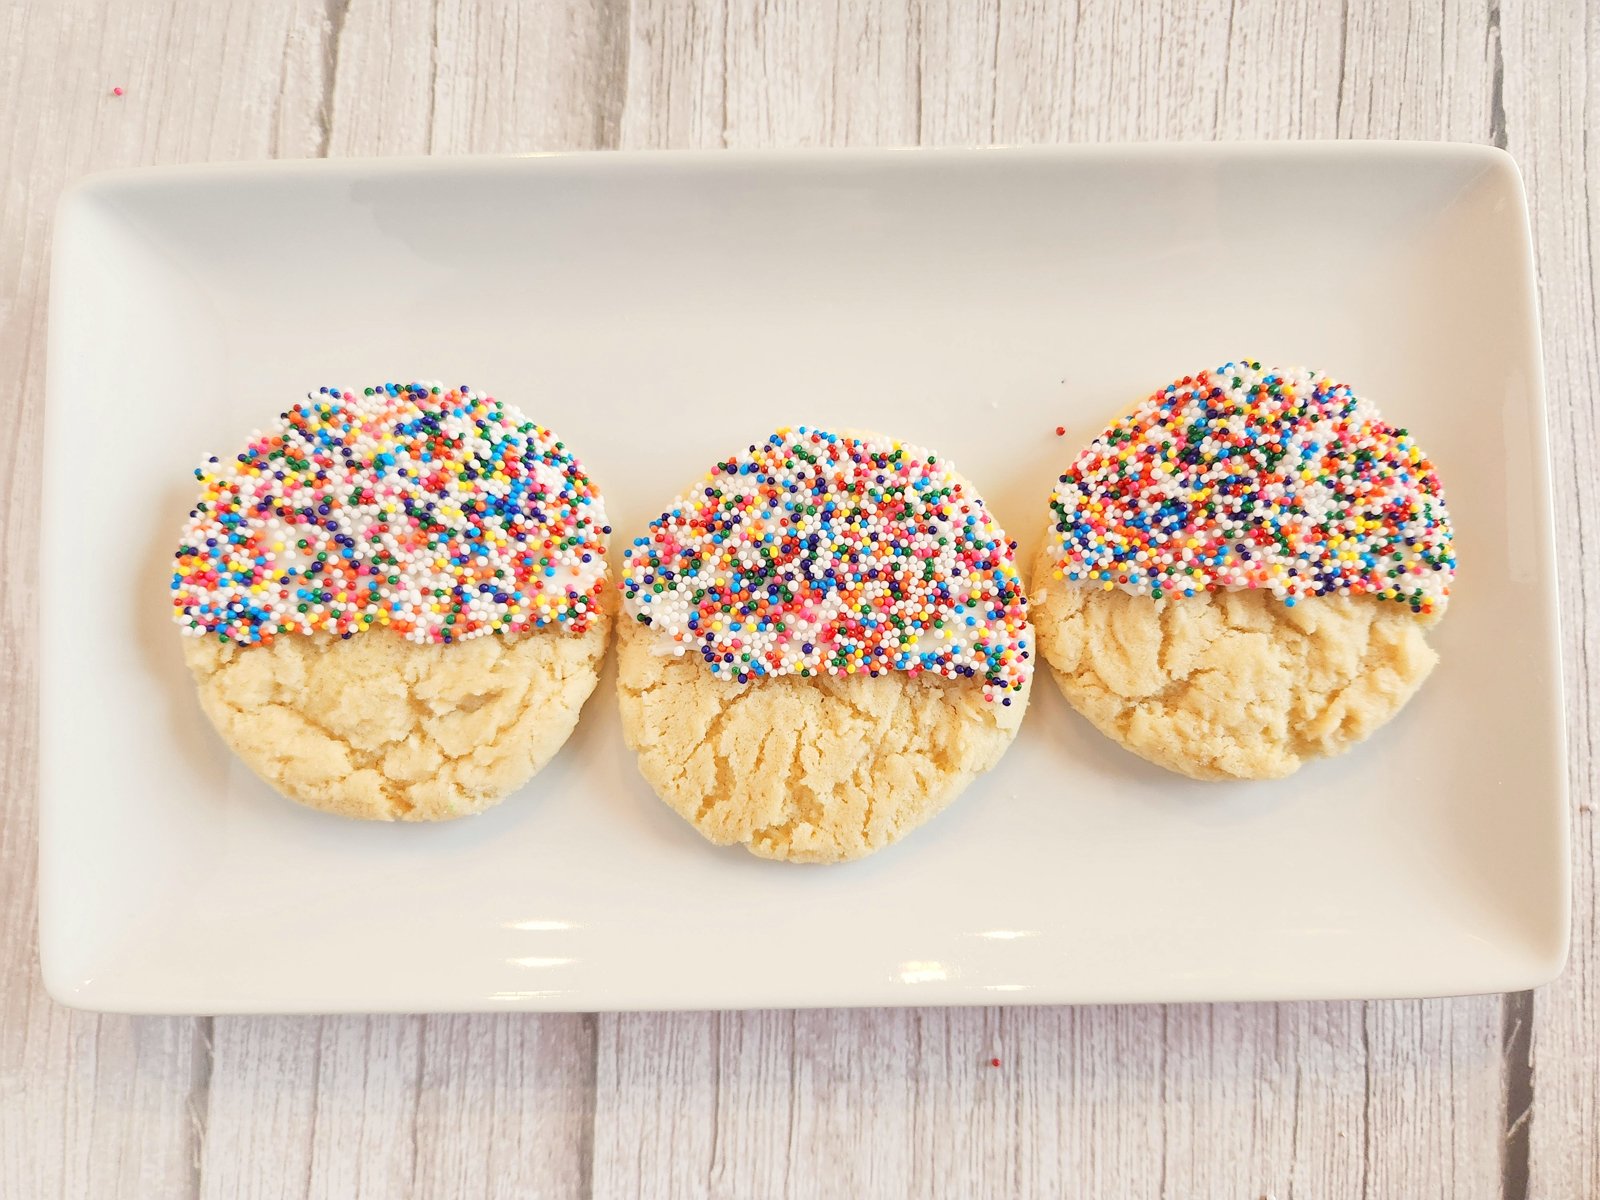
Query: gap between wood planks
{"x": 1516, "y": 1064}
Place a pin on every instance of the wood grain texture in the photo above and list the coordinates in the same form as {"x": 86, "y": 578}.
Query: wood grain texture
{"x": 446, "y": 1106}
{"x": 1551, "y": 114}
{"x": 1371, "y": 1099}
{"x": 1476, "y": 1097}
{"x": 397, "y": 1106}
{"x": 89, "y": 1105}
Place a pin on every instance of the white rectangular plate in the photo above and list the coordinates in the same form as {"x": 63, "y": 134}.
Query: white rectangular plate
{"x": 661, "y": 311}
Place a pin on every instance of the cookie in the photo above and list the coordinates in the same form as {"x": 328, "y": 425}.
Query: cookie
{"x": 1238, "y": 576}
{"x": 394, "y": 601}
{"x": 823, "y": 643}
{"x": 379, "y": 728}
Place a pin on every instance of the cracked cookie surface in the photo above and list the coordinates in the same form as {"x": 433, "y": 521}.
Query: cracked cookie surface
{"x": 1228, "y": 684}
{"x": 809, "y": 769}
{"x": 379, "y": 728}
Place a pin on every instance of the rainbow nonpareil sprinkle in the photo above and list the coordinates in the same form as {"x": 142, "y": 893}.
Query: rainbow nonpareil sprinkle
{"x": 438, "y": 513}
{"x": 1248, "y": 477}
{"x": 817, "y": 554}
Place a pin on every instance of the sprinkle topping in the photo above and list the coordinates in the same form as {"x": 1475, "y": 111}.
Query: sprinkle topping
{"x": 1245, "y": 477}
{"x": 818, "y": 554}
{"x": 439, "y": 513}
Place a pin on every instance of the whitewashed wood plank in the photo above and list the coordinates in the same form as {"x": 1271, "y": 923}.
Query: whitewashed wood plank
{"x": 94, "y": 1106}
{"x": 1268, "y": 71}
{"x": 771, "y": 75}
{"x": 958, "y": 73}
{"x": 1323, "y": 1080}
{"x": 385, "y": 73}
{"x": 789, "y": 63}
{"x": 1419, "y": 71}
{"x": 1434, "y": 1114}
{"x": 1052, "y": 71}
{"x": 522, "y": 77}
{"x": 366, "y": 1130}
{"x": 1285, "y": 66}
{"x": 1299, "y": 1099}
{"x": 100, "y": 1110}
{"x": 262, "y": 1107}
{"x": 1255, "y": 1098}
{"x": 1196, "y": 1100}
{"x": 677, "y": 76}
{"x": 1079, "y": 1085}
{"x": 1200, "y": 1100}
{"x": 505, "y": 1107}
{"x": 1552, "y": 107}
{"x": 487, "y": 1105}
{"x": 656, "y": 1115}
{"x": 1435, "y": 1120}
{"x": 859, "y": 1079}
{"x": 760, "y": 1054}
{"x": 1035, "y": 1101}
{"x": 416, "y": 77}
{"x": 1043, "y": 71}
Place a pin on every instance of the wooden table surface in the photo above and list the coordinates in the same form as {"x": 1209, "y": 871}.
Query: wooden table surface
{"x": 1478, "y": 1097}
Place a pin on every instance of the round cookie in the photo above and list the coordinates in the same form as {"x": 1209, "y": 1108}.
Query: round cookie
{"x": 824, "y": 642}
{"x": 395, "y": 601}
{"x": 1238, "y": 575}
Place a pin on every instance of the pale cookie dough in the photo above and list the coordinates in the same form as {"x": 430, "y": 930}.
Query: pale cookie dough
{"x": 816, "y": 770}
{"x": 379, "y": 728}
{"x": 1229, "y": 684}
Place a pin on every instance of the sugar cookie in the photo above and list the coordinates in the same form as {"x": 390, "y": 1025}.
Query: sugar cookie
{"x": 1237, "y": 575}
{"x": 394, "y": 600}
{"x": 824, "y": 642}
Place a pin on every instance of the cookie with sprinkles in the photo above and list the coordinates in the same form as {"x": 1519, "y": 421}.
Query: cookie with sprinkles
{"x": 395, "y": 599}
{"x": 1237, "y": 576}
{"x": 824, "y": 641}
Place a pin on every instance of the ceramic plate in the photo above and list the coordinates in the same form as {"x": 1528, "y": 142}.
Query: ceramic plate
{"x": 661, "y": 311}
